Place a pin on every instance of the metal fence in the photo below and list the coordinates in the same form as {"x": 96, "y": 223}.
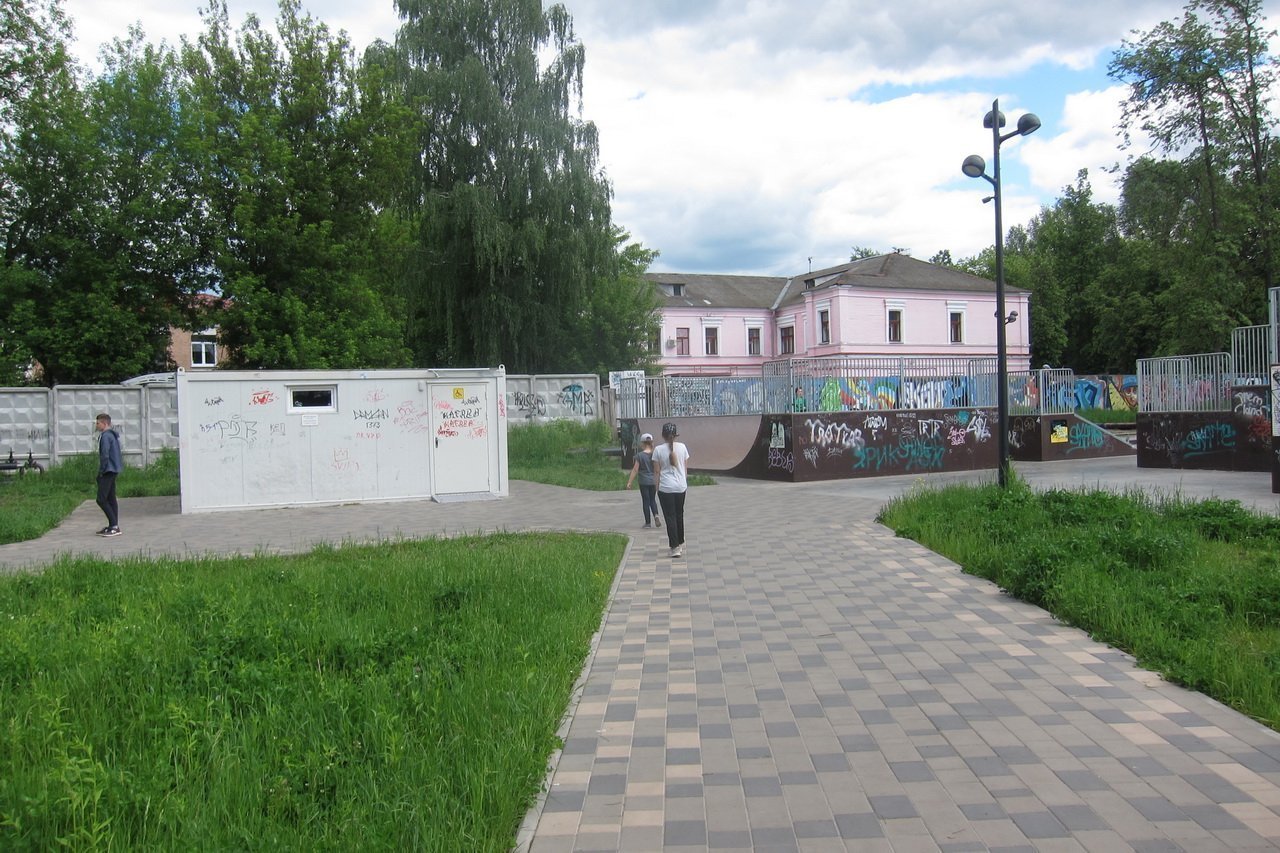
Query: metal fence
{"x": 1047, "y": 391}
{"x": 1252, "y": 354}
{"x": 1185, "y": 383}
{"x": 848, "y": 384}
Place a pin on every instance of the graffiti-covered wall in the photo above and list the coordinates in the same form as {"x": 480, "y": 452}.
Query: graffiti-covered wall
{"x": 1048, "y": 438}
{"x": 832, "y": 446}
{"x": 1238, "y": 440}
{"x": 542, "y": 398}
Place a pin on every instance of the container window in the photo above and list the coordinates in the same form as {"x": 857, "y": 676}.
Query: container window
{"x": 314, "y": 399}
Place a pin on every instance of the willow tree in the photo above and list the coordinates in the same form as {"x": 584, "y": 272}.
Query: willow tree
{"x": 510, "y": 209}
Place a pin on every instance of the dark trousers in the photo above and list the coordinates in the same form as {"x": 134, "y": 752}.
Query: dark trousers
{"x": 673, "y": 512}
{"x": 649, "y": 501}
{"x": 107, "y": 499}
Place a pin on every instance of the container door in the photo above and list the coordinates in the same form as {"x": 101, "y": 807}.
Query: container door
{"x": 460, "y": 430}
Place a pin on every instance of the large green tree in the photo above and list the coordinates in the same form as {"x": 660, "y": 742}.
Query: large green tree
{"x": 509, "y": 208}
{"x": 1200, "y": 87}
{"x": 292, "y": 160}
{"x": 102, "y": 244}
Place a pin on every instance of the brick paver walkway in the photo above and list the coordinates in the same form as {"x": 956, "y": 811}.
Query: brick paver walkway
{"x": 803, "y": 680}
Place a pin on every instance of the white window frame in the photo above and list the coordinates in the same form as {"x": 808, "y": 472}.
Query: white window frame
{"x": 688, "y": 348}
{"x": 824, "y": 323}
{"x": 954, "y": 308}
{"x": 782, "y": 348}
{"x": 759, "y": 330}
{"x": 890, "y": 307}
{"x": 205, "y": 345}
{"x": 306, "y": 408}
{"x": 710, "y": 336}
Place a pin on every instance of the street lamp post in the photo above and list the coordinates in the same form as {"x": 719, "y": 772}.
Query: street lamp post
{"x": 975, "y": 167}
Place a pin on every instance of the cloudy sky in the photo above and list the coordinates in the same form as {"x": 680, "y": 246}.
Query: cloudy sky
{"x": 770, "y": 136}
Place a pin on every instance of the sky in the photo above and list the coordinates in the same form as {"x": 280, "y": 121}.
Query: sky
{"x": 769, "y": 137}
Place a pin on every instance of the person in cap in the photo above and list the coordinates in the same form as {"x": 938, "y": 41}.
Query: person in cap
{"x": 643, "y": 469}
{"x": 671, "y": 461}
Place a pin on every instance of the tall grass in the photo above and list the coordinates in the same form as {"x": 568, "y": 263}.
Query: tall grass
{"x": 401, "y": 696}
{"x": 567, "y": 453}
{"x": 1191, "y": 589}
{"x": 34, "y": 504}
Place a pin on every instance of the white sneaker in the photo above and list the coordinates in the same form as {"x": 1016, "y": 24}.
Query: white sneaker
{"x": 675, "y": 552}
{"x": 678, "y": 552}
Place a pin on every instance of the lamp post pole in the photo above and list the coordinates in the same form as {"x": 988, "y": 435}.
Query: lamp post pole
{"x": 1002, "y": 349}
{"x": 975, "y": 167}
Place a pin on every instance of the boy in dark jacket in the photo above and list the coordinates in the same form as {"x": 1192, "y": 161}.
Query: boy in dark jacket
{"x": 110, "y": 464}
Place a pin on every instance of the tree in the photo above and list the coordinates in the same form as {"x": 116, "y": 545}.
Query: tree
{"x": 293, "y": 161}
{"x": 942, "y": 258}
{"x": 101, "y": 236}
{"x": 1200, "y": 87}
{"x": 857, "y": 253}
{"x": 606, "y": 336}
{"x": 510, "y": 211}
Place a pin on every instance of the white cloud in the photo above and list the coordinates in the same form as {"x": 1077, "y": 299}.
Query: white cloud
{"x": 1086, "y": 139}
{"x": 749, "y": 136}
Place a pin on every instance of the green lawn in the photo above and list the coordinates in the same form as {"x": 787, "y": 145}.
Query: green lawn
{"x": 396, "y": 697}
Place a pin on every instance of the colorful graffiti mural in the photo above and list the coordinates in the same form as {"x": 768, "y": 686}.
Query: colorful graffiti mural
{"x": 839, "y": 445}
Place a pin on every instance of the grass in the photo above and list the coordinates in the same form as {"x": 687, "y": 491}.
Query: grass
{"x": 1191, "y": 589}
{"x": 1109, "y": 416}
{"x": 567, "y": 453}
{"x": 34, "y": 504}
{"x": 561, "y": 453}
{"x": 400, "y": 696}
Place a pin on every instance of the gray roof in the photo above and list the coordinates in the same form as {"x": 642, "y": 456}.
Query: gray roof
{"x": 893, "y": 271}
{"x": 719, "y": 291}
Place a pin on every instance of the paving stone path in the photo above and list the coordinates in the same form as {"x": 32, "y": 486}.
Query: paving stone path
{"x": 804, "y": 680}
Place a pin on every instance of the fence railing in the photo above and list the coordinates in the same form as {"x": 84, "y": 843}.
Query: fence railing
{"x": 848, "y": 384}
{"x": 1185, "y": 383}
{"x": 1047, "y": 391}
{"x": 1251, "y": 354}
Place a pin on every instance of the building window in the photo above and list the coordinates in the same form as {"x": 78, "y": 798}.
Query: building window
{"x": 712, "y": 336}
{"x": 787, "y": 340}
{"x": 204, "y": 351}
{"x": 753, "y": 341}
{"x": 655, "y": 342}
{"x": 957, "y": 327}
{"x": 682, "y": 340}
{"x": 895, "y": 325}
{"x": 824, "y": 327}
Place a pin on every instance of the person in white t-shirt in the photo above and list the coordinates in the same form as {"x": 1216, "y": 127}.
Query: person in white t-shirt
{"x": 671, "y": 464}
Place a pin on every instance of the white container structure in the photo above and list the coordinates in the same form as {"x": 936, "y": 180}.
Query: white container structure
{"x": 292, "y": 438}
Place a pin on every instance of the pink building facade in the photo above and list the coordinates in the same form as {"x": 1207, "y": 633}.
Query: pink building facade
{"x": 888, "y": 305}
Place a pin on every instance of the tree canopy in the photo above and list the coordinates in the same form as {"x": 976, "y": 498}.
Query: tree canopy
{"x": 436, "y": 203}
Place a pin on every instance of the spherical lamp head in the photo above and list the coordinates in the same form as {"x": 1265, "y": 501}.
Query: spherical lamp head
{"x": 986, "y": 120}
{"x": 1028, "y": 123}
{"x": 974, "y": 166}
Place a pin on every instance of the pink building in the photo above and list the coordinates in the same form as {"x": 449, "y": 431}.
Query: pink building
{"x": 888, "y": 305}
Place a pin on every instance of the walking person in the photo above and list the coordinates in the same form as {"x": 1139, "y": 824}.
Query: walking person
{"x": 110, "y": 464}
{"x": 671, "y": 462}
{"x": 643, "y": 469}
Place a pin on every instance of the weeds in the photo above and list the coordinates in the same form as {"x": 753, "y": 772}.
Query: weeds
{"x": 1191, "y": 588}
{"x": 399, "y": 696}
